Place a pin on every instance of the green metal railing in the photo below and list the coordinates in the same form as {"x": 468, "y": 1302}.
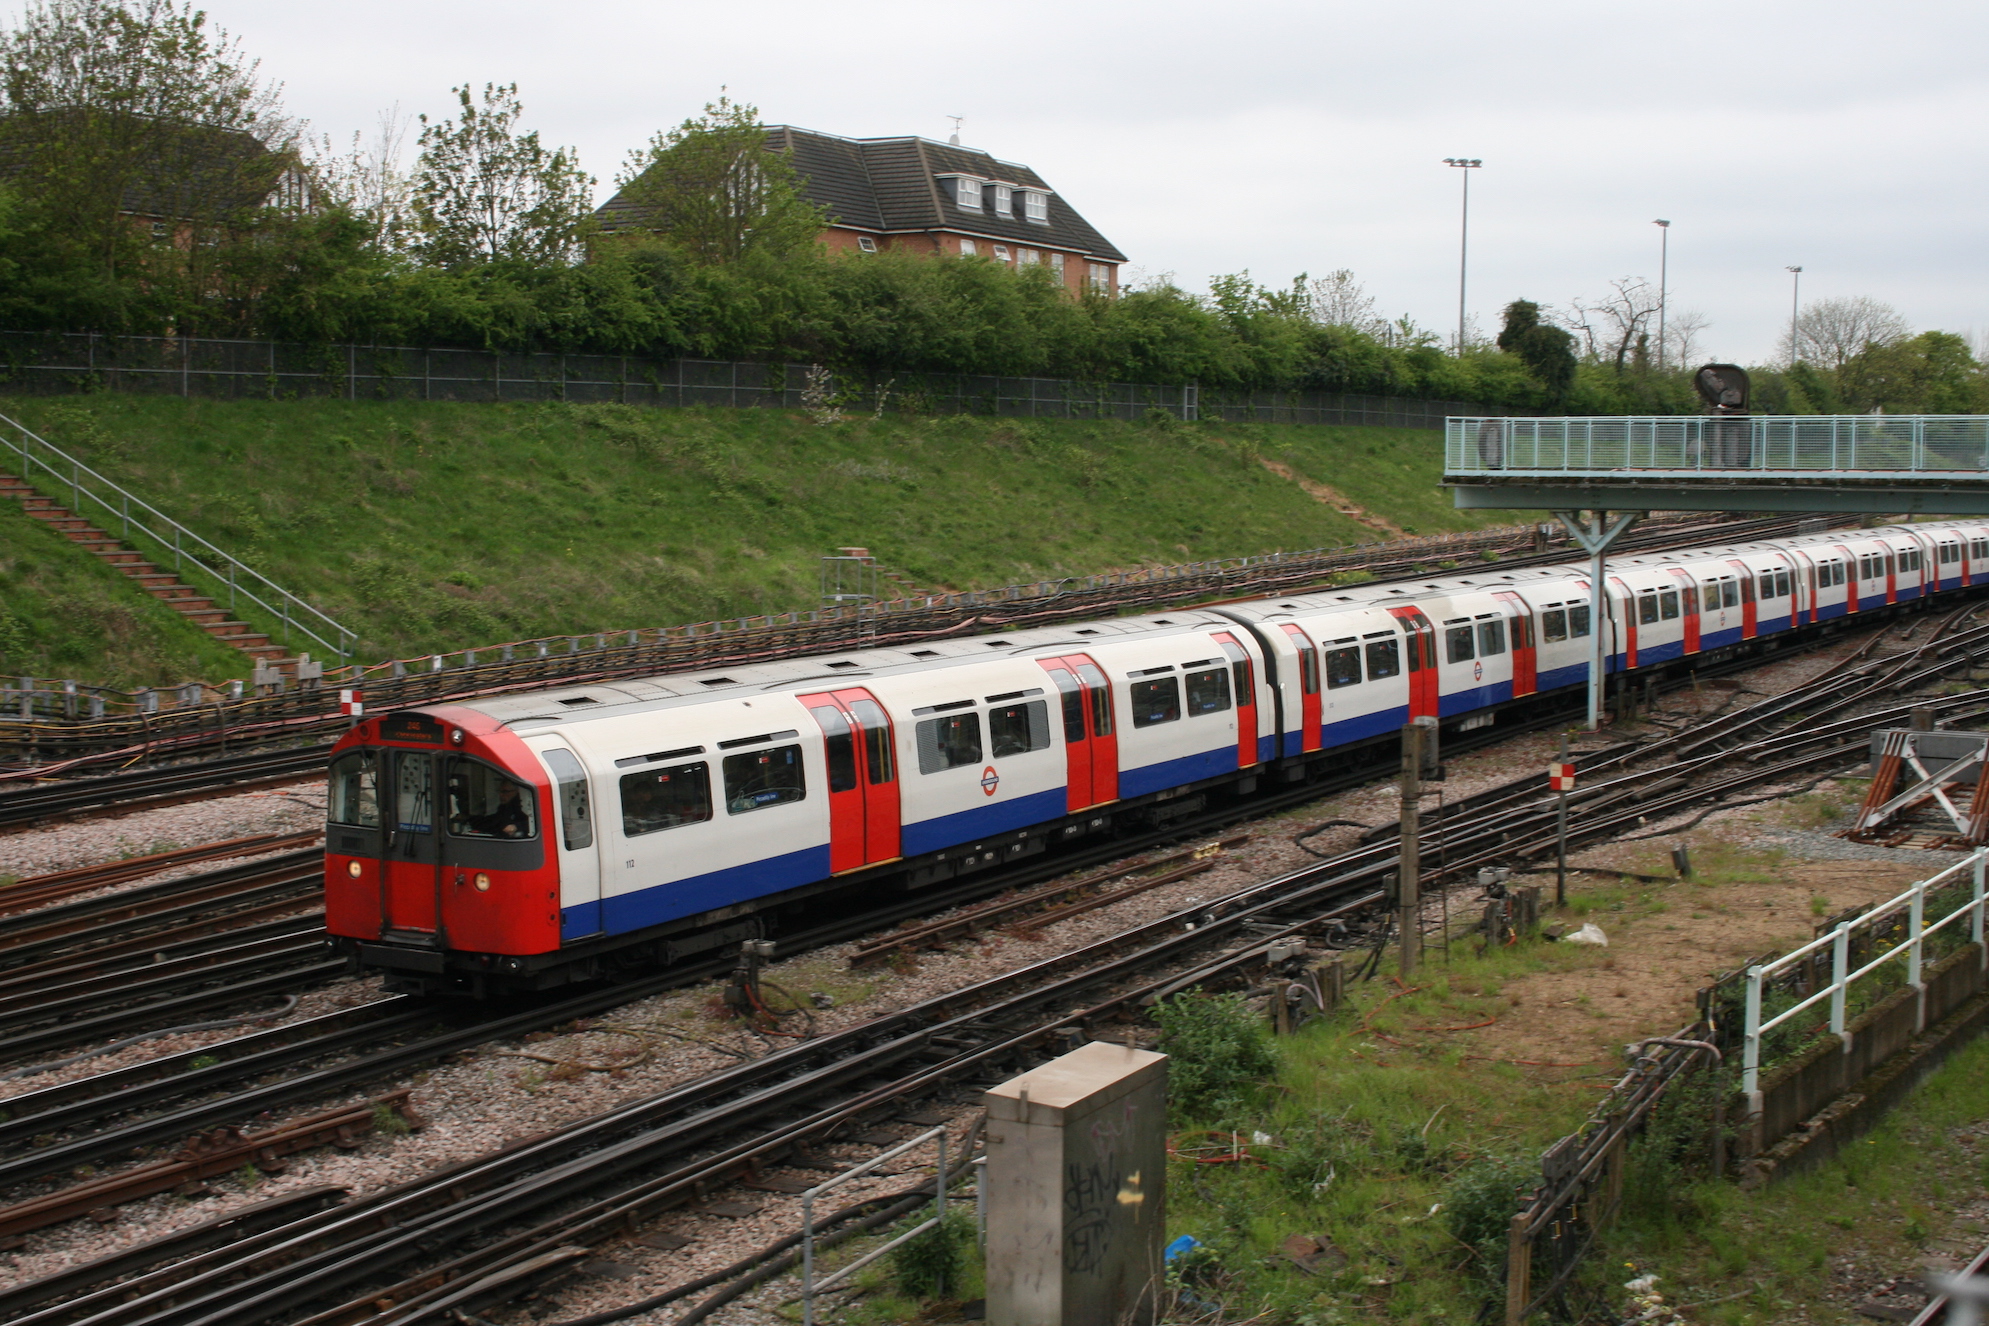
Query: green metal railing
{"x": 1696, "y": 445}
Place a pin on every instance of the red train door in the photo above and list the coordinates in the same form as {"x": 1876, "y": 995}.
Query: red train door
{"x": 863, "y": 778}
{"x": 1525, "y": 661}
{"x": 1243, "y": 681}
{"x": 1310, "y": 701}
{"x": 1688, "y": 607}
{"x": 1748, "y": 616}
{"x": 1851, "y": 568}
{"x": 411, "y": 869}
{"x": 1891, "y": 577}
{"x": 1091, "y": 744}
{"x": 1629, "y": 624}
{"x": 1420, "y": 645}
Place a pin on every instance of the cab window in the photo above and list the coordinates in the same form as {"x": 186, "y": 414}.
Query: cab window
{"x": 483, "y": 803}
{"x": 355, "y": 790}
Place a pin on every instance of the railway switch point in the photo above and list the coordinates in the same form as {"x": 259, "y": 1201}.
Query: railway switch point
{"x": 1075, "y": 1178}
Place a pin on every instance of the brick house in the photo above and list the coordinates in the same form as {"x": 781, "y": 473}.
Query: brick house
{"x": 929, "y": 197}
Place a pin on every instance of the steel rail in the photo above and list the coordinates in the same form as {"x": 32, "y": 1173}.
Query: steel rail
{"x": 45, "y": 890}
{"x": 158, "y": 785}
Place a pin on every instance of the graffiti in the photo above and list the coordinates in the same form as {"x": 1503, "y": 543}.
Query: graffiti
{"x": 1091, "y": 1194}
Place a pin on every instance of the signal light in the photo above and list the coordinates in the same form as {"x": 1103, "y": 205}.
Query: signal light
{"x": 352, "y": 868}
{"x": 482, "y": 882}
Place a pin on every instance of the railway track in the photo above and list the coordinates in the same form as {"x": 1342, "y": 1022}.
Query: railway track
{"x": 607, "y": 1174}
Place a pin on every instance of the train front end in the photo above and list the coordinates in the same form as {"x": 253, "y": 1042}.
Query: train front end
{"x": 437, "y": 868}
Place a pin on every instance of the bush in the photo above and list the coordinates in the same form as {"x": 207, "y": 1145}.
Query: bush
{"x": 1481, "y": 1202}
{"x": 1218, "y": 1050}
{"x": 927, "y": 1265}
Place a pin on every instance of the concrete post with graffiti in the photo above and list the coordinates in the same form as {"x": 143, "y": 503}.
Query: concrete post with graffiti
{"x": 1076, "y": 1190}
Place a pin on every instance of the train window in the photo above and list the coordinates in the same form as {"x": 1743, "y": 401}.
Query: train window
{"x": 355, "y": 789}
{"x": 1017, "y": 729}
{"x": 1667, "y": 601}
{"x": 877, "y": 752}
{"x": 1457, "y": 644}
{"x": 1158, "y": 700}
{"x": 1690, "y": 595}
{"x": 414, "y": 798}
{"x": 658, "y": 799}
{"x": 1730, "y": 592}
{"x": 1208, "y": 692}
{"x": 1781, "y": 584}
{"x": 1578, "y": 621}
{"x": 1554, "y": 625}
{"x": 1239, "y": 667}
{"x": 1384, "y": 659}
{"x": 1767, "y": 585}
{"x": 1343, "y": 667}
{"x": 757, "y": 779}
{"x": 483, "y": 803}
{"x": 1308, "y": 670}
{"x": 1491, "y": 638}
{"x": 576, "y": 826}
{"x": 1712, "y": 588}
{"x": 1073, "y": 705}
{"x": 949, "y": 742}
{"x": 1647, "y": 610}
{"x": 1101, "y": 698}
{"x": 838, "y": 745}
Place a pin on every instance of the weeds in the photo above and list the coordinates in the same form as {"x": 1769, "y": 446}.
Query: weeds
{"x": 1219, "y": 1053}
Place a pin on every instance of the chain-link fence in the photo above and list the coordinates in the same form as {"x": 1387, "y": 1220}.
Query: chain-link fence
{"x": 54, "y": 363}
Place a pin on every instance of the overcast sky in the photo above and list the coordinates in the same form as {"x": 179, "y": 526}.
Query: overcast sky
{"x": 1289, "y": 137}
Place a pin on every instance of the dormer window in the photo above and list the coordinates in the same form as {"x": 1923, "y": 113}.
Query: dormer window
{"x": 967, "y": 193}
{"x": 1036, "y": 207}
{"x": 866, "y": 243}
{"x": 1004, "y": 200}
{"x": 1001, "y": 252}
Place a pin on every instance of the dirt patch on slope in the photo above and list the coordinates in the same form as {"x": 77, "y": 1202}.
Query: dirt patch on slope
{"x": 1334, "y": 498}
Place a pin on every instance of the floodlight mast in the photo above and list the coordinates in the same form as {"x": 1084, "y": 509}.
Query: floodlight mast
{"x": 1663, "y": 274}
{"x": 1467, "y": 165}
{"x": 1795, "y": 306}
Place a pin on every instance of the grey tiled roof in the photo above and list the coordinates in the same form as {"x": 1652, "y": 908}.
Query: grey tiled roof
{"x": 893, "y": 185}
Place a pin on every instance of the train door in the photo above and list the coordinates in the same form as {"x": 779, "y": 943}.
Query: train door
{"x": 863, "y": 778}
{"x": 411, "y": 866}
{"x": 1311, "y": 704}
{"x": 1802, "y": 587}
{"x": 1853, "y": 571}
{"x": 579, "y": 861}
{"x": 1525, "y": 658}
{"x": 1424, "y": 695}
{"x": 1091, "y": 743}
{"x": 1891, "y": 576}
{"x": 1749, "y": 620}
{"x": 1688, "y": 606}
{"x": 1243, "y": 682}
{"x": 1630, "y": 611}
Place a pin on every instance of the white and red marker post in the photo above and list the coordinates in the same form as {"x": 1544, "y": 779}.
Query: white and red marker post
{"x": 1561, "y": 777}
{"x": 350, "y": 704}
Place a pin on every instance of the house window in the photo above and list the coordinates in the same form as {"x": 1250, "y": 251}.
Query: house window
{"x": 969, "y": 193}
{"x": 1001, "y": 252}
{"x": 161, "y": 232}
{"x": 1028, "y": 257}
{"x": 1057, "y": 265}
{"x": 866, "y": 243}
{"x": 1036, "y": 207}
{"x": 968, "y": 248}
{"x": 1004, "y": 200}
{"x": 1100, "y": 276}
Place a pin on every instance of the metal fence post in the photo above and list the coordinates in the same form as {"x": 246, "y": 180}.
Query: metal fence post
{"x": 1840, "y": 970}
{"x": 1975, "y": 927}
{"x": 808, "y": 1259}
{"x": 1750, "y": 1054}
{"x": 1915, "y": 925}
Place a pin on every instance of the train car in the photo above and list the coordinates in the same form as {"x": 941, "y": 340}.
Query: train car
{"x": 583, "y": 831}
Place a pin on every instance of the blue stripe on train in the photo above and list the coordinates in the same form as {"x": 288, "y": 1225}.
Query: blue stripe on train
{"x": 995, "y": 817}
{"x": 622, "y": 912}
{"x": 1175, "y": 772}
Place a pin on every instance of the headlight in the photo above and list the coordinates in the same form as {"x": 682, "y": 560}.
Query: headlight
{"x": 352, "y": 868}
{"x": 482, "y": 882}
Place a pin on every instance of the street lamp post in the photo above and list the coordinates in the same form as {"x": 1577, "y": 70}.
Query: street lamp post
{"x": 1663, "y": 272}
{"x": 1467, "y": 165}
{"x": 1795, "y": 304}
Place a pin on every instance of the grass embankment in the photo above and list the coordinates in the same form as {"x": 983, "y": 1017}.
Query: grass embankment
{"x": 64, "y": 614}
{"x": 441, "y": 525}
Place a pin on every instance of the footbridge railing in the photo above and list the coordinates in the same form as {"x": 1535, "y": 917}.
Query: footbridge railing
{"x": 1816, "y": 445}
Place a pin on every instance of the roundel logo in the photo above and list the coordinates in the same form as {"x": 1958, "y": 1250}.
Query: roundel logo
{"x": 1477, "y": 672}
{"x": 990, "y": 780}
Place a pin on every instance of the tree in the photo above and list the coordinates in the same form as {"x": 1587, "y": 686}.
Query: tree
{"x": 1616, "y": 324}
{"x": 1830, "y": 332}
{"x": 1547, "y": 350}
{"x": 368, "y": 181}
{"x": 1932, "y": 373}
{"x": 139, "y": 139}
{"x": 484, "y": 192}
{"x": 712, "y": 187}
{"x": 1339, "y": 300}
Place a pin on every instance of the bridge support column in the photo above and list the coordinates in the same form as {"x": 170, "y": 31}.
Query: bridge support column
{"x": 1596, "y": 540}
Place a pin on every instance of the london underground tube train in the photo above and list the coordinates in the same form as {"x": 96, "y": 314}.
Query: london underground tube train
{"x": 529, "y": 840}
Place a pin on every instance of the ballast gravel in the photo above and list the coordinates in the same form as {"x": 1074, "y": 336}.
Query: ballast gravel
{"x": 69, "y": 844}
